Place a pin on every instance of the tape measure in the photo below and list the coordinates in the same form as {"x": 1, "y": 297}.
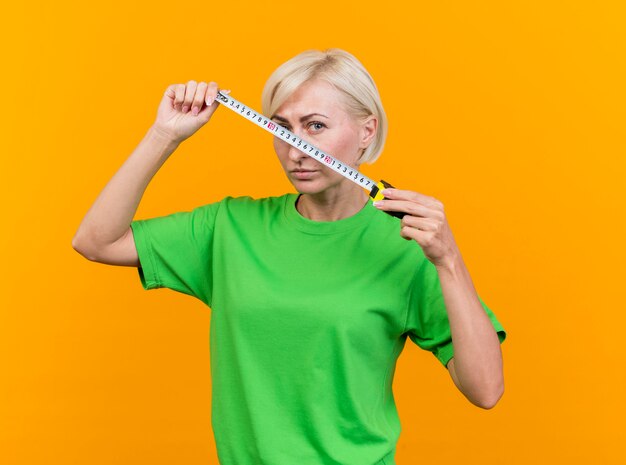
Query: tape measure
{"x": 309, "y": 149}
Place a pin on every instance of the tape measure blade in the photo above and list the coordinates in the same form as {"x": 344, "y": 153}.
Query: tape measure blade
{"x": 305, "y": 147}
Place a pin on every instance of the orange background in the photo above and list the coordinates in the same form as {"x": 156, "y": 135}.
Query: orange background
{"x": 511, "y": 113}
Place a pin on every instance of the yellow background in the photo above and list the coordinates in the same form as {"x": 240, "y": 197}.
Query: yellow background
{"x": 511, "y": 113}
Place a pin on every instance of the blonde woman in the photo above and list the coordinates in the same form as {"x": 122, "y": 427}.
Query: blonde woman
{"x": 313, "y": 293}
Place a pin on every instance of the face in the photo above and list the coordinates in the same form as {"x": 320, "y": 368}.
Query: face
{"x": 315, "y": 113}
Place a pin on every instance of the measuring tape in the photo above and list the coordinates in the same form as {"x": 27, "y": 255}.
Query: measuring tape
{"x": 309, "y": 149}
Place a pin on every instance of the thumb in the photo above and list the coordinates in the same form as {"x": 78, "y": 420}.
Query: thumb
{"x": 205, "y": 114}
{"x": 208, "y": 110}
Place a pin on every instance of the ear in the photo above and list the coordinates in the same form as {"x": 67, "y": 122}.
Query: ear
{"x": 368, "y": 131}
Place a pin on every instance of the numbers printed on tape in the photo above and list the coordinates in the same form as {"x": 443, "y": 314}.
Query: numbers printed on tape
{"x": 308, "y": 149}
{"x": 297, "y": 142}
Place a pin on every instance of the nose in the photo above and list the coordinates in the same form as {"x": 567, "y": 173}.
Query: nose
{"x": 295, "y": 154}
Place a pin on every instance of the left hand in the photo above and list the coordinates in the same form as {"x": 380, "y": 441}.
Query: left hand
{"x": 424, "y": 222}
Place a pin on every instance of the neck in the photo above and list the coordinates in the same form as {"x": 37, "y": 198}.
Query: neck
{"x": 344, "y": 200}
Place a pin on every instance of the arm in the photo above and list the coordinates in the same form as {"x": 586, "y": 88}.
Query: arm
{"x": 476, "y": 368}
{"x": 105, "y": 235}
{"x": 108, "y": 220}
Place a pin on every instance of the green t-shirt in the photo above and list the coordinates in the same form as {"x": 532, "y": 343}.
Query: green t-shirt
{"x": 307, "y": 321}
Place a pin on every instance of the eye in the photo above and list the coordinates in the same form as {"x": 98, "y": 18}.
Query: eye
{"x": 318, "y": 125}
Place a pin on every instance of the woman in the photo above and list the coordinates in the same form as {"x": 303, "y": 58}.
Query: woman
{"x": 312, "y": 294}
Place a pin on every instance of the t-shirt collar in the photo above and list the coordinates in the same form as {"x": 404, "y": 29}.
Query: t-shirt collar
{"x": 293, "y": 216}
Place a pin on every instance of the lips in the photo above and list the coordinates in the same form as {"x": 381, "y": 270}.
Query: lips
{"x": 303, "y": 174}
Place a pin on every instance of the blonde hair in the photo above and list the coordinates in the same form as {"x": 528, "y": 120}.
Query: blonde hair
{"x": 346, "y": 74}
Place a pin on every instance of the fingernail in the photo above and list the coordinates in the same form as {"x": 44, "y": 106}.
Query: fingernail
{"x": 225, "y": 91}
{"x": 385, "y": 191}
{"x": 194, "y": 111}
{"x": 185, "y": 108}
{"x": 209, "y": 101}
{"x": 378, "y": 203}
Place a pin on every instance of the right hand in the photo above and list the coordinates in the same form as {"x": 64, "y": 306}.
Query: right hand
{"x": 175, "y": 118}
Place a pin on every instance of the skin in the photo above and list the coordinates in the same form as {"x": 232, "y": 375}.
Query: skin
{"x": 476, "y": 368}
{"x": 326, "y": 195}
{"x": 105, "y": 235}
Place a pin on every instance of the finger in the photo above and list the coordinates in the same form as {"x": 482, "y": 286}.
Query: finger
{"x": 198, "y": 100}
{"x": 421, "y": 237}
{"x": 406, "y": 206}
{"x": 180, "y": 96}
{"x": 410, "y": 195}
{"x": 211, "y": 92}
{"x": 170, "y": 92}
{"x": 423, "y": 224}
{"x": 190, "y": 92}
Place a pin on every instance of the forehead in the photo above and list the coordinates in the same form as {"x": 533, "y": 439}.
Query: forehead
{"x": 312, "y": 96}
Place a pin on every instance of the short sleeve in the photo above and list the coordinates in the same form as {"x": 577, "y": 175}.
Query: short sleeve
{"x": 175, "y": 251}
{"x": 427, "y": 322}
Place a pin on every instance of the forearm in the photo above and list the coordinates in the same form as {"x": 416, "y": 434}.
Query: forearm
{"x": 477, "y": 354}
{"x": 113, "y": 210}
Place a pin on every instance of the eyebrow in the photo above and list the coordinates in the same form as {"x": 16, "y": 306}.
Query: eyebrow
{"x": 304, "y": 118}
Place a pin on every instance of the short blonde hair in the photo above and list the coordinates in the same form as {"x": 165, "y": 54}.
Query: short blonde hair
{"x": 344, "y": 72}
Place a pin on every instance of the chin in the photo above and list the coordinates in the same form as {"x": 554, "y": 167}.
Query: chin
{"x": 320, "y": 183}
{"x": 309, "y": 187}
